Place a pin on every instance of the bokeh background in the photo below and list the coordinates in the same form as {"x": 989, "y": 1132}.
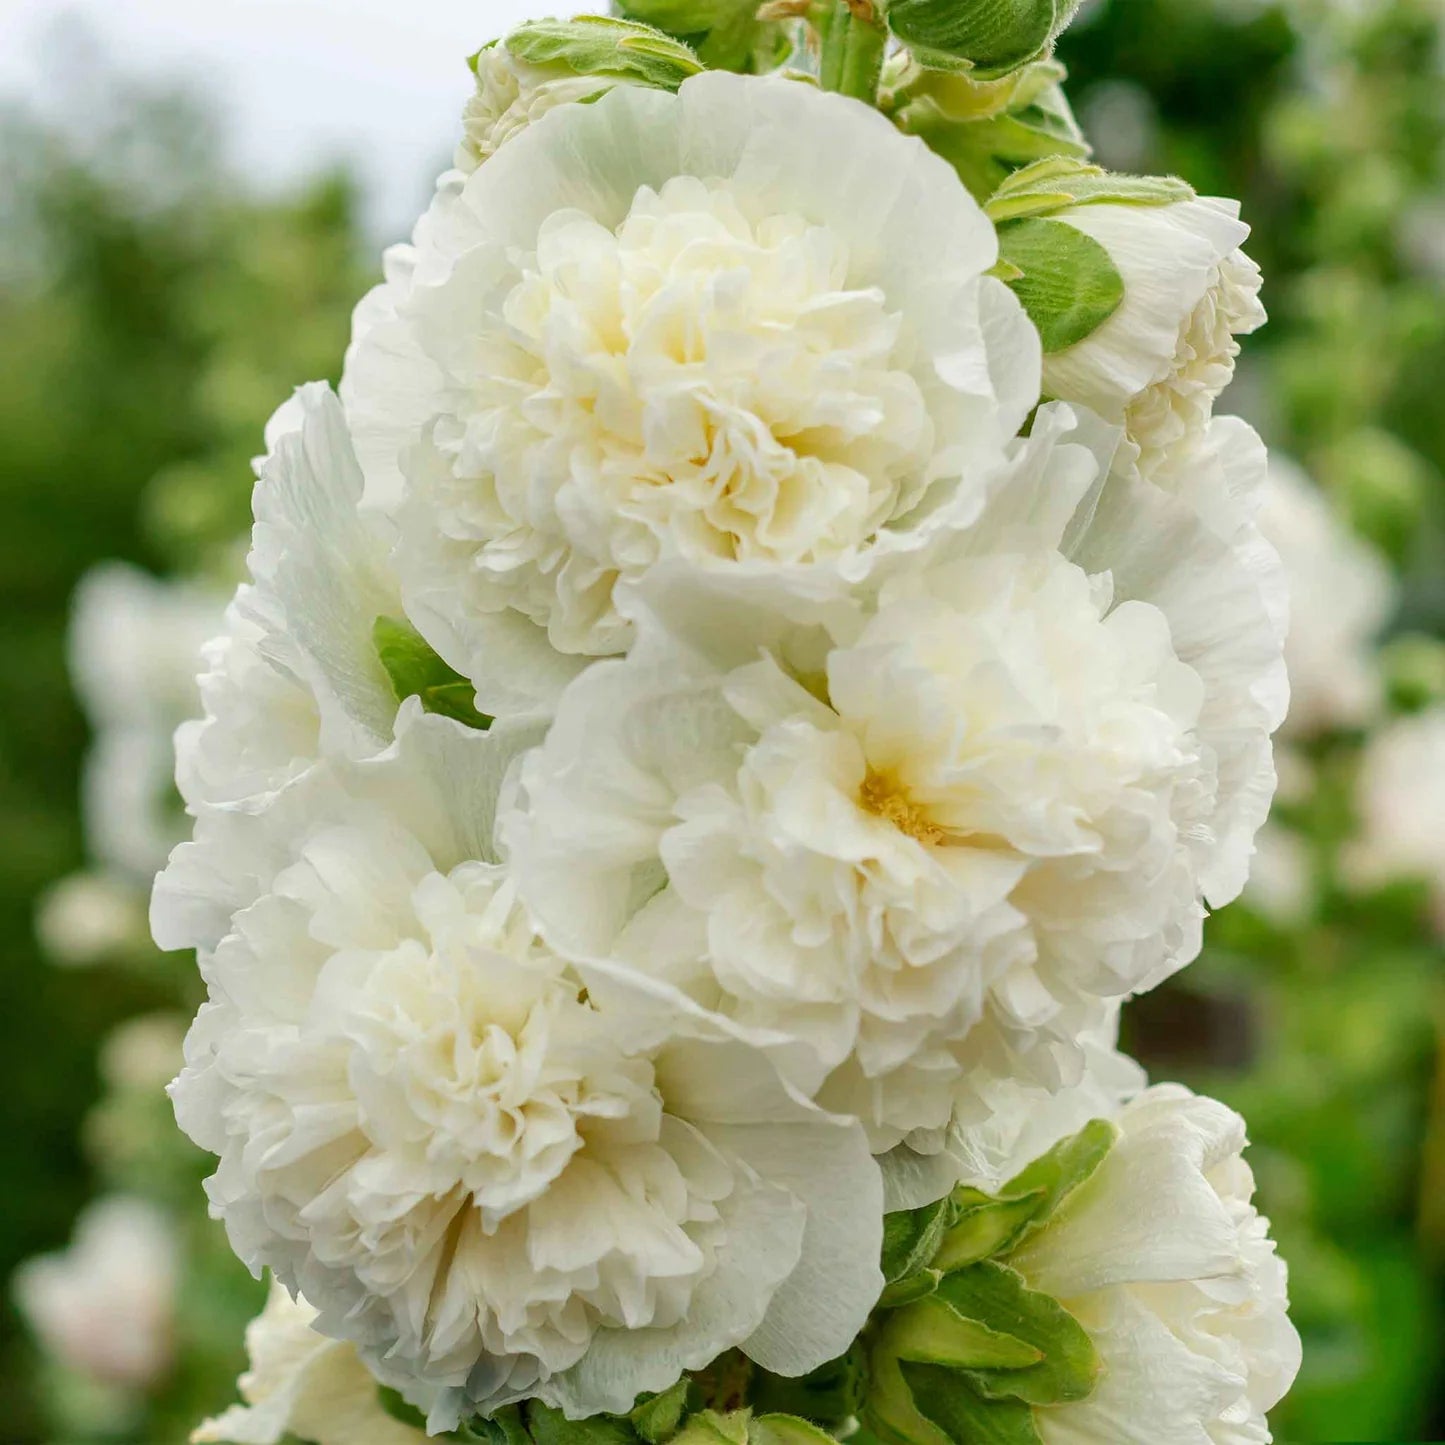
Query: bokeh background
{"x": 191, "y": 199}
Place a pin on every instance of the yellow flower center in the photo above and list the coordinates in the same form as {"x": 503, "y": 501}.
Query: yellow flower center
{"x": 886, "y": 798}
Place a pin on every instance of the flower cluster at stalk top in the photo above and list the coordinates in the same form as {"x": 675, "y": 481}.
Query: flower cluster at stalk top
{"x": 744, "y": 678}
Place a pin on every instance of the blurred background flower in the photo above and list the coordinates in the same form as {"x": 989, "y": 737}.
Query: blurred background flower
{"x": 196, "y": 196}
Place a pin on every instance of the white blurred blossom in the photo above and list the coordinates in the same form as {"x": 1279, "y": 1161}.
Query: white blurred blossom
{"x": 1341, "y": 595}
{"x": 105, "y": 1306}
{"x": 1400, "y": 801}
{"x": 135, "y": 643}
{"x": 89, "y": 917}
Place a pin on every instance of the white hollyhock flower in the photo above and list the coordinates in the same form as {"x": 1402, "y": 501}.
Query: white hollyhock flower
{"x": 302, "y": 1385}
{"x": 296, "y": 670}
{"x": 1163, "y": 1259}
{"x": 510, "y": 95}
{"x": 1158, "y": 363}
{"x": 931, "y": 835}
{"x": 494, "y": 1184}
{"x": 105, "y": 1306}
{"x": 135, "y": 643}
{"x": 1400, "y": 799}
{"x": 746, "y": 323}
{"x": 1342, "y": 595}
{"x": 1011, "y": 1122}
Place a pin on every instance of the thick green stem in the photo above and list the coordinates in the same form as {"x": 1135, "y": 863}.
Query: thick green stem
{"x": 854, "y": 38}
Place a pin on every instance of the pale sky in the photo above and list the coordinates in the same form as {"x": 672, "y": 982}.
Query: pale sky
{"x": 301, "y": 82}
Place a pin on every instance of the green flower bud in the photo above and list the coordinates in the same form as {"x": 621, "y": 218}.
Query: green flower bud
{"x": 989, "y": 37}
{"x": 547, "y": 63}
{"x": 727, "y": 34}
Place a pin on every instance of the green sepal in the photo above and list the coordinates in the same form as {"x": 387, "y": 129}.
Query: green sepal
{"x": 659, "y": 1417}
{"x": 503, "y": 1428}
{"x": 991, "y": 37}
{"x": 995, "y": 1224}
{"x": 932, "y": 1332}
{"x": 415, "y": 670}
{"x": 786, "y": 1430}
{"x": 918, "y": 1285}
{"x": 1071, "y": 1163}
{"x": 547, "y": 1426}
{"x": 890, "y": 1413}
{"x": 607, "y": 46}
{"x": 988, "y": 130}
{"x": 963, "y": 1416}
{"x": 1069, "y": 284}
{"x": 985, "y": 1227}
{"x": 828, "y": 1396}
{"x": 911, "y": 1238}
{"x": 712, "y": 1427}
{"x": 1068, "y": 1368}
{"x": 1059, "y": 182}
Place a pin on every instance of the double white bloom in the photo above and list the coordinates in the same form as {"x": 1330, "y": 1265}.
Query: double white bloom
{"x": 1164, "y": 1260}
{"x": 924, "y": 744}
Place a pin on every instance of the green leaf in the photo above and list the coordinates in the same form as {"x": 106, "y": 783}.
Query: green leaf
{"x": 997, "y": 1296}
{"x": 1070, "y": 286}
{"x": 964, "y": 1416}
{"x": 398, "y": 1409}
{"x": 1059, "y": 182}
{"x": 416, "y": 671}
{"x": 659, "y": 1417}
{"x": 932, "y": 1332}
{"x": 911, "y": 1238}
{"x": 604, "y": 45}
{"x": 551, "y": 1427}
{"x": 993, "y": 36}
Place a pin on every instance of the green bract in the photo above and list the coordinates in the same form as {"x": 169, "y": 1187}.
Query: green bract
{"x": 986, "y": 130}
{"x": 416, "y": 671}
{"x": 1067, "y": 281}
{"x": 602, "y": 45}
{"x": 1059, "y": 182}
{"x": 726, "y": 34}
{"x": 991, "y": 37}
{"x": 963, "y": 1350}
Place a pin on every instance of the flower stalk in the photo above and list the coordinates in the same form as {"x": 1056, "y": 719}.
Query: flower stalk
{"x": 853, "y": 38}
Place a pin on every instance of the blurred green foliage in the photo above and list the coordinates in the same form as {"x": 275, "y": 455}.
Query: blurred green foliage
{"x": 1328, "y": 121}
{"x": 154, "y": 314}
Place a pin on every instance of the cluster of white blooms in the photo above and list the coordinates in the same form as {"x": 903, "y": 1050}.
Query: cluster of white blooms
{"x": 716, "y": 727}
